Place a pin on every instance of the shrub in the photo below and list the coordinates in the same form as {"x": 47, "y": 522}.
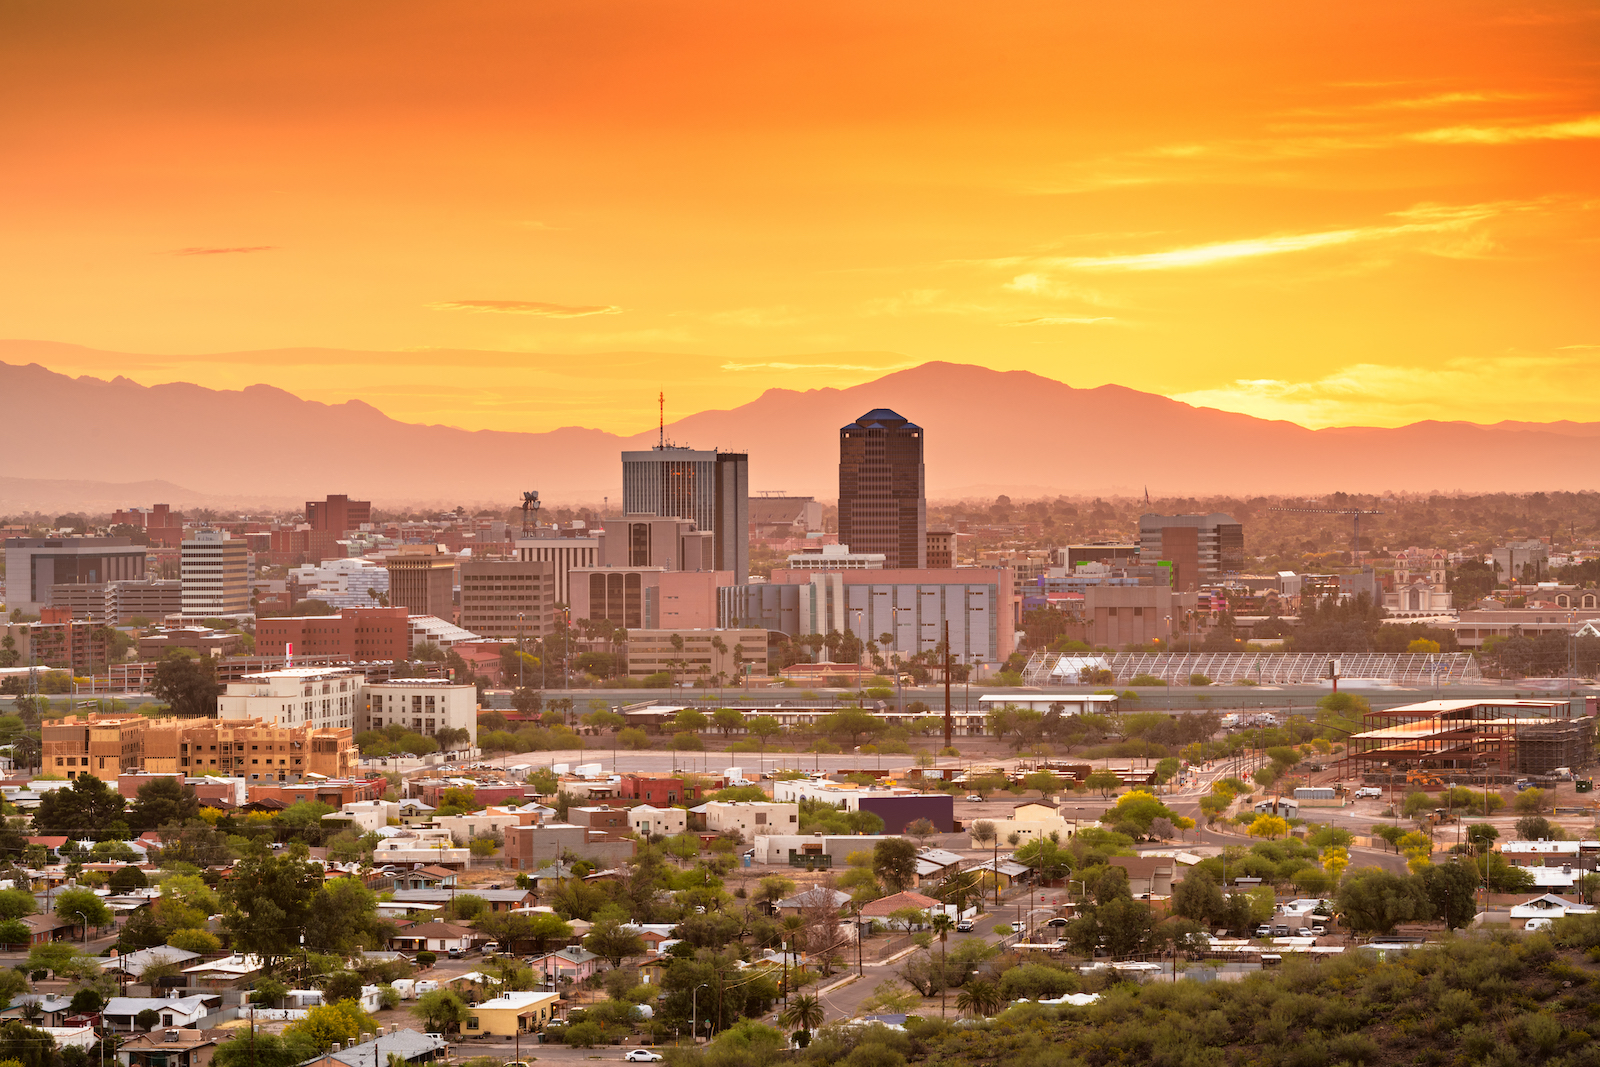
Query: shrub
{"x": 426, "y": 959}
{"x": 1145, "y": 679}
{"x": 1199, "y": 679}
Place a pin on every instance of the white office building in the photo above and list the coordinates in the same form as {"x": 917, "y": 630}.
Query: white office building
{"x": 421, "y": 705}
{"x": 318, "y": 697}
{"x": 215, "y": 570}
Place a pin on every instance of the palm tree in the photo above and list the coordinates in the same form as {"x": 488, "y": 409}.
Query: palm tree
{"x": 942, "y": 925}
{"x": 804, "y": 1014}
{"x": 979, "y": 997}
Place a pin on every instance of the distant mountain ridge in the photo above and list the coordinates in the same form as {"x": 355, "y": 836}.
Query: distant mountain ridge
{"x": 988, "y": 432}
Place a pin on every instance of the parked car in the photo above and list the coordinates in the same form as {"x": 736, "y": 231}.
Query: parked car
{"x": 1056, "y": 921}
{"x": 1304, "y": 931}
{"x": 1319, "y": 931}
{"x": 964, "y": 926}
{"x": 642, "y": 1055}
{"x": 1263, "y": 931}
{"x": 975, "y": 798}
{"x": 453, "y": 953}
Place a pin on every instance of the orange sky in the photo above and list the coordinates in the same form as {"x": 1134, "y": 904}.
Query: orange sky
{"x": 1359, "y": 213}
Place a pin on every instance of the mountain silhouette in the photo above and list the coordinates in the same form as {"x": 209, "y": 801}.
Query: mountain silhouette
{"x": 988, "y": 432}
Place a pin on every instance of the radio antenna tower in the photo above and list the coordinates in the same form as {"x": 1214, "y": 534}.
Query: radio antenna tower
{"x": 661, "y": 440}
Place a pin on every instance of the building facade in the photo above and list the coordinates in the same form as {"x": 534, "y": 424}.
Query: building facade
{"x": 338, "y": 514}
{"x": 36, "y": 564}
{"x": 295, "y": 696}
{"x": 215, "y": 571}
{"x": 422, "y": 580}
{"x": 565, "y": 554}
{"x": 356, "y": 634}
{"x": 508, "y": 598}
{"x": 1201, "y": 548}
{"x": 882, "y": 496}
{"x": 710, "y": 488}
{"x": 699, "y": 658}
{"x": 911, "y": 606}
{"x": 835, "y": 558}
{"x": 422, "y": 705}
{"x": 109, "y": 746}
{"x": 649, "y": 598}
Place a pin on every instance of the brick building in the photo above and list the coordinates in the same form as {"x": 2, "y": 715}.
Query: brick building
{"x": 422, "y": 580}
{"x": 338, "y": 514}
{"x": 660, "y": 790}
{"x": 354, "y": 634}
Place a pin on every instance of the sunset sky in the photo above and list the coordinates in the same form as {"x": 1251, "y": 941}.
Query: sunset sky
{"x": 531, "y": 214}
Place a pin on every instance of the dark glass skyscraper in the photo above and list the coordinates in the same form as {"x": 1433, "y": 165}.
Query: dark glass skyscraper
{"x": 882, "y": 506}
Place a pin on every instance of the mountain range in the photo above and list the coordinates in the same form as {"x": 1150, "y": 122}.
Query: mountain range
{"x": 89, "y": 443}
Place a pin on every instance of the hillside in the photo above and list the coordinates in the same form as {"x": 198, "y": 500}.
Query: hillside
{"x": 988, "y": 432}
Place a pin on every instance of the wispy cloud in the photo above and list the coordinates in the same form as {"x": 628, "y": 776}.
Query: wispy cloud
{"x": 1422, "y": 219}
{"x": 1572, "y": 130}
{"x": 202, "y": 251}
{"x": 528, "y": 307}
{"x": 1061, "y": 320}
{"x": 1388, "y": 395}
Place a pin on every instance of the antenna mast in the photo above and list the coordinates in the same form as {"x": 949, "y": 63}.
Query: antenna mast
{"x": 661, "y": 441}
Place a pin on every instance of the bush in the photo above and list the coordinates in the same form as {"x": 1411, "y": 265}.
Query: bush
{"x": 1199, "y": 679}
{"x": 426, "y": 959}
{"x": 685, "y": 740}
{"x": 1145, "y": 679}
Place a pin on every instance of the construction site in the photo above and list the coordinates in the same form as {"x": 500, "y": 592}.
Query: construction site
{"x": 1471, "y": 740}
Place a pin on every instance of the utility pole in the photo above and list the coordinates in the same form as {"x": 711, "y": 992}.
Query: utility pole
{"x": 947, "y": 683}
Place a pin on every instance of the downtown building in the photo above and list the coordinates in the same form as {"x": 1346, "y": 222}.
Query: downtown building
{"x": 215, "y": 571}
{"x": 882, "y": 499}
{"x": 1201, "y": 548}
{"x": 36, "y": 565}
{"x": 911, "y": 607}
{"x": 712, "y": 489}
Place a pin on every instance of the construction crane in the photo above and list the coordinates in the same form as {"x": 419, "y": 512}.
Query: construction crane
{"x": 1354, "y": 513}
{"x": 530, "y": 512}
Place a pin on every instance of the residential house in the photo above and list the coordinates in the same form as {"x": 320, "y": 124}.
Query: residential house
{"x": 748, "y": 818}
{"x": 934, "y": 865}
{"x": 660, "y": 789}
{"x": 884, "y": 907}
{"x": 647, "y": 820}
{"x": 512, "y": 1014}
{"x": 363, "y": 816}
{"x": 598, "y": 817}
{"x": 1148, "y": 876}
{"x": 530, "y": 847}
{"x": 429, "y": 877}
{"x": 53, "y": 1008}
{"x": 232, "y": 972}
{"x": 169, "y": 1047}
{"x": 497, "y": 899}
{"x": 119, "y": 1013}
{"x": 1547, "y": 906}
{"x": 816, "y": 897}
{"x": 432, "y": 937}
{"x": 423, "y": 846}
{"x": 1010, "y": 871}
{"x": 410, "y": 1046}
{"x": 133, "y": 964}
{"x": 567, "y": 964}
{"x": 42, "y": 930}
{"x": 414, "y": 812}
{"x": 1029, "y": 821}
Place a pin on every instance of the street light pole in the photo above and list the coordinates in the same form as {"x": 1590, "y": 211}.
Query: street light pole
{"x": 694, "y": 1014}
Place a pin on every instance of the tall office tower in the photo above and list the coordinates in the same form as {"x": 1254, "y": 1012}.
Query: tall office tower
{"x": 422, "y": 580}
{"x": 215, "y": 570}
{"x": 1201, "y": 548}
{"x": 711, "y": 488}
{"x": 882, "y": 505}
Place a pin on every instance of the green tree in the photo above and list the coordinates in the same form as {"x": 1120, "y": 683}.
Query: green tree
{"x": 1044, "y": 782}
{"x": 441, "y": 1011}
{"x": 804, "y": 1014}
{"x": 1373, "y": 900}
{"x": 87, "y": 808}
{"x": 1451, "y": 890}
{"x": 344, "y": 919}
{"x": 342, "y": 1021}
{"x": 258, "y": 1048}
{"x": 187, "y": 685}
{"x": 1103, "y": 782}
{"x": 614, "y": 942}
{"x": 894, "y": 862}
{"x": 161, "y": 801}
{"x": 851, "y": 727}
{"x": 82, "y": 908}
{"x": 267, "y": 902}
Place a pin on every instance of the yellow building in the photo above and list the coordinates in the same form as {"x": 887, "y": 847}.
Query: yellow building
{"x": 511, "y": 1014}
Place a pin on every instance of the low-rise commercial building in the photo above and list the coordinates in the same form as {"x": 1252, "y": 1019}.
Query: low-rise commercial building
{"x": 695, "y": 655}
{"x": 750, "y": 818}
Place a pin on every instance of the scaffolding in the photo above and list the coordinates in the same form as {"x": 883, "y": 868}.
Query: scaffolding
{"x": 1264, "y": 668}
{"x": 1470, "y": 736}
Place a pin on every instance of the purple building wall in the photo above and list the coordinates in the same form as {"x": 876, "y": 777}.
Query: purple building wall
{"x": 897, "y": 812}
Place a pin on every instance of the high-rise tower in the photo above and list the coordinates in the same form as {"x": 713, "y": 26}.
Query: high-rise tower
{"x": 710, "y": 488}
{"x": 882, "y": 506}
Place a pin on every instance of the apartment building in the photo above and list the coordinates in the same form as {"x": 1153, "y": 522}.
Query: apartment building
{"x": 325, "y": 697}
{"x": 107, "y": 746}
{"x": 423, "y": 705}
{"x": 513, "y": 599}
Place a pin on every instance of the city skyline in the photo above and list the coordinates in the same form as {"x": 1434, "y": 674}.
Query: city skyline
{"x": 1370, "y": 215}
